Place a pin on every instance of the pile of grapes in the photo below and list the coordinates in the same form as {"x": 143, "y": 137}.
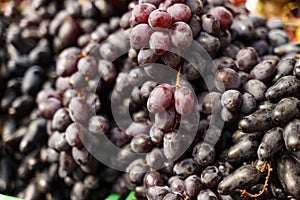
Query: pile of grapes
{"x": 200, "y": 97}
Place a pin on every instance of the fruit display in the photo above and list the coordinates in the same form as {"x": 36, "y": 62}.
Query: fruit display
{"x": 147, "y": 99}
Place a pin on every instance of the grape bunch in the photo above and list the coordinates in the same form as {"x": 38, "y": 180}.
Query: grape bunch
{"x": 78, "y": 76}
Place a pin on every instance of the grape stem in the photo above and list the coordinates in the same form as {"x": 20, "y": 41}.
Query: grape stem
{"x": 261, "y": 169}
{"x": 177, "y": 84}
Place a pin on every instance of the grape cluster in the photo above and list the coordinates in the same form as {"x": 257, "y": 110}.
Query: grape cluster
{"x": 71, "y": 70}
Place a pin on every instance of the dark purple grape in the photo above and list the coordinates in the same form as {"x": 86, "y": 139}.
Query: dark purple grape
{"x": 146, "y": 56}
{"x": 118, "y": 137}
{"x": 207, "y": 195}
{"x": 204, "y": 154}
{"x": 137, "y": 128}
{"x": 48, "y": 108}
{"x": 155, "y": 159}
{"x": 291, "y": 135}
{"x": 107, "y": 71}
{"x": 61, "y": 119}
{"x": 156, "y": 135}
{"x": 211, "y": 176}
{"x": 225, "y": 62}
{"x": 210, "y": 43}
{"x": 173, "y": 196}
{"x": 67, "y": 62}
{"x": 179, "y": 12}
{"x": 87, "y": 66}
{"x": 141, "y": 12}
{"x": 278, "y": 37}
{"x": 286, "y": 110}
{"x": 153, "y": 178}
{"x": 98, "y": 125}
{"x": 195, "y": 25}
{"x": 176, "y": 184}
{"x": 243, "y": 27}
{"x": 226, "y": 79}
{"x": 33, "y": 80}
{"x": 73, "y": 133}
{"x": 79, "y": 111}
{"x": 246, "y": 59}
{"x": 141, "y": 143}
{"x": 160, "y": 19}
{"x": 223, "y": 15}
{"x": 157, "y": 192}
{"x": 79, "y": 191}
{"x": 196, "y": 6}
{"x": 248, "y": 103}
{"x": 212, "y": 103}
{"x": 140, "y": 36}
{"x": 160, "y": 98}
{"x": 62, "y": 84}
{"x": 210, "y": 24}
{"x": 181, "y": 35}
{"x": 171, "y": 145}
{"x": 244, "y": 176}
{"x": 81, "y": 155}
{"x": 256, "y": 88}
{"x": 231, "y": 99}
{"x": 260, "y": 120}
{"x": 184, "y": 100}
{"x": 287, "y": 86}
{"x": 159, "y": 42}
{"x": 165, "y": 120}
{"x": 270, "y": 144}
{"x": 263, "y": 71}
{"x": 193, "y": 185}
{"x": 288, "y": 174}
{"x": 185, "y": 168}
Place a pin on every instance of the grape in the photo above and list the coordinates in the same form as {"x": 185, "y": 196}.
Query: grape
{"x": 227, "y": 78}
{"x": 196, "y": 6}
{"x": 286, "y": 110}
{"x": 179, "y": 12}
{"x": 78, "y": 109}
{"x": 185, "y": 168}
{"x": 160, "y": 19}
{"x": 156, "y": 135}
{"x": 80, "y": 155}
{"x": 210, "y": 43}
{"x": 184, "y": 100}
{"x": 48, "y": 108}
{"x": 87, "y": 66}
{"x": 246, "y": 59}
{"x": 153, "y": 178}
{"x": 231, "y": 99}
{"x": 173, "y": 196}
{"x": 98, "y": 125}
{"x": 210, "y": 24}
{"x": 141, "y": 144}
{"x": 223, "y": 15}
{"x": 278, "y": 37}
{"x": 107, "y": 71}
{"x": 195, "y": 25}
{"x": 146, "y": 56}
{"x": 61, "y": 119}
{"x": 204, "y": 154}
{"x": 159, "y": 42}
{"x": 193, "y": 185}
{"x": 67, "y": 61}
{"x": 118, "y": 137}
{"x": 155, "y": 159}
{"x": 157, "y": 192}
{"x": 212, "y": 103}
{"x": 73, "y": 133}
{"x": 256, "y": 88}
{"x": 248, "y": 103}
{"x": 171, "y": 145}
{"x": 291, "y": 135}
{"x": 207, "y": 195}
{"x": 211, "y": 176}
{"x": 140, "y": 36}
{"x": 160, "y": 98}
{"x": 32, "y": 81}
{"x": 224, "y": 62}
{"x": 176, "y": 184}
{"x": 165, "y": 120}
{"x": 141, "y": 12}
{"x": 181, "y": 35}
